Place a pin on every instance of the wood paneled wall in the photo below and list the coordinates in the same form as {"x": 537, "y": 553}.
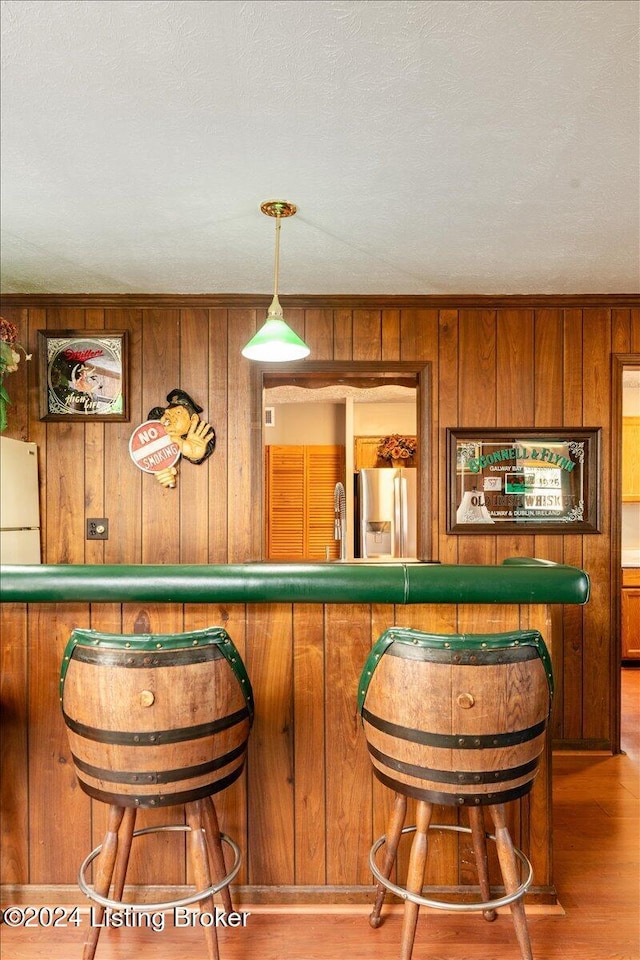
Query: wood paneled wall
{"x": 517, "y": 362}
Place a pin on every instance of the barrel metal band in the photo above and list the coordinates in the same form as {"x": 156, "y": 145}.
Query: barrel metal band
{"x": 452, "y": 776}
{"x": 163, "y": 799}
{"x": 139, "y": 659}
{"x": 156, "y": 737}
{"x": 160, "y": 776}
{"x": 454, "y": 741}
{"x": 453, "y": 799}
{"x": 462, "y": 658}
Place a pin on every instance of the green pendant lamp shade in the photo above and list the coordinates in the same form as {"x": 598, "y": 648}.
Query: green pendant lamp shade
{"x": 275, "y": 341}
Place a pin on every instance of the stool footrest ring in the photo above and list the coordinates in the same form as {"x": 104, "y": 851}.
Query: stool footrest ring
{"x": 405, "y": 894}
{"x": 168, "y": 904}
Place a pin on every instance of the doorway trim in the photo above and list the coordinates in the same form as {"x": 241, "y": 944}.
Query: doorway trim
{"x": 363, "y": 373}
{"x": 620, "y": 362}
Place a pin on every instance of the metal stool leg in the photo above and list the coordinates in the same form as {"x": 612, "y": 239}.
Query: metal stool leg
{"x": 104, "y": 873}
{"x": 476, "y": 822}
{"x": 125, "y": 839}
{"x": 509, "y": 868}
{"x": 415, "y": 877}
{"x": 394, "y": 832}
{"x": 214, "y": 846}
{"x": 200, "y": 865}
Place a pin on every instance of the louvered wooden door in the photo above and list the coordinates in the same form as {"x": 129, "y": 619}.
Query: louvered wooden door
{"x": 299, "y": 514}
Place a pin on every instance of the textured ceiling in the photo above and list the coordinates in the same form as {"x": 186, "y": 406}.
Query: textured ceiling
{"x": 431, "y": 147}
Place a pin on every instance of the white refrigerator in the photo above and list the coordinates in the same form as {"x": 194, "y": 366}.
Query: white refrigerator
{"x": 19, "y": 502}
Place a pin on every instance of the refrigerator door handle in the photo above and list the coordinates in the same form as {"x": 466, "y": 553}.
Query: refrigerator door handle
{"x": 405, "y": 515}
{"x": 400, "y": 518}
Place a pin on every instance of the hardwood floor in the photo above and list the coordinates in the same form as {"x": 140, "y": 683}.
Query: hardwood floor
{"x": 597, "y": 860}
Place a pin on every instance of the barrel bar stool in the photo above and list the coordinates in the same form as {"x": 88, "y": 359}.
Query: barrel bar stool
{"x": 156, "y": 720}
{"x": 458, "y": 720}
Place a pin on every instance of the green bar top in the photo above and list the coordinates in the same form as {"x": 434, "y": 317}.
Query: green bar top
{"x": 517, "y": 580}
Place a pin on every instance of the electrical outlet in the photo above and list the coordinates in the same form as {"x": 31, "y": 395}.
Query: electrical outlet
{"x": 97, "y": 528}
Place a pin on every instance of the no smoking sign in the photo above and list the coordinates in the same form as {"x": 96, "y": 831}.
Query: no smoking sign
{"x": 151, "y": 448}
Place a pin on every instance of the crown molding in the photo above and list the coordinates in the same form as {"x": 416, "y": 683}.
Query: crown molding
{"x": 249, "y": 301}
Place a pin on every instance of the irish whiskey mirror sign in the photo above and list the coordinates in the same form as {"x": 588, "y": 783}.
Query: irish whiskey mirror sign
{"x": 502, "y": 480}
{"x": 83, "y": 375}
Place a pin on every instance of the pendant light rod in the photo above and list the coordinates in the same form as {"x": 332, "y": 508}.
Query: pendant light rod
{"x": 276, "y": 341}
{"x": 276, "y": 267}
{"x": 277, "y": 209}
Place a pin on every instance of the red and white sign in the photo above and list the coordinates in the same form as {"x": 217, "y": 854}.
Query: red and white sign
{"x": 151, "y": 448}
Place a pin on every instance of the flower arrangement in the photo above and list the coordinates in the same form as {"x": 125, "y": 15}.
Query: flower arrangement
{"x": 396, "y": 447}
{"x": 9, "y": 360}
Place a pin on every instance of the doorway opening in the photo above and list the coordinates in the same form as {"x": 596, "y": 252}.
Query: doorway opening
{"x": 625, "y": 562}
{"x": 356, "y": 377}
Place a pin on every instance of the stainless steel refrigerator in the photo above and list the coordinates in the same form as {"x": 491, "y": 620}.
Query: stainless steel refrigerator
{"x": 19, "y": 502}
{"x": 386, "y": 504}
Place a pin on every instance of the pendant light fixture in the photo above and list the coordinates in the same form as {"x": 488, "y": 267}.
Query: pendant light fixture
{"x": 275, "y": 340}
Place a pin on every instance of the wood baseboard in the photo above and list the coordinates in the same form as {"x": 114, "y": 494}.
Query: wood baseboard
{"x": 319, "y": 899}
{"x": 593, "y": 747}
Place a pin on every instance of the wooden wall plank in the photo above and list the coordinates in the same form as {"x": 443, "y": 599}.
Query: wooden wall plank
{"x": 295, "y": 317}
{"x": 620, "y": 330}
{"x": 231, "y": 804}
{"x": 424, "y": 327}
{"x": 548, "y": 411}
{"x": 218, "y": 463}
{"x": 94, "y": 457}
{"x": 446, "y": 415}
{"x": 367, "y": 335}
{"x": 36, "y": 431}
{"x": 570, "y": 718}
{"x": 548, "y": 367}
{"x": 548, "y": 385}
{"x": 269, "y": 661}
{"x": 390, "y": 338}
{"x": 596, "y": 702}
{"x": 160, "y": 505}
{"x": 635, "y": 330}
{"x": 65, "y": 530}
{"x": 514, "y": 368}
{"x": 514, "y": 398}
{"x": 477, "y": 402}
{"x": 123, "y": 481}
{"x": 14, "y": 752}
{"x": 195, "y": 482}
{"x": 59, "y": 812}
{"x": 342, "y": 335}
{"x": 318, "y": 333}
{"x": 309, "y": 744}
{"x": 477, "y": 368}
{"x": 348, "y": 640}
{"x": 539, "y": 850}
{"x": 243, "y": 523}
{"x": 65, "y": 534}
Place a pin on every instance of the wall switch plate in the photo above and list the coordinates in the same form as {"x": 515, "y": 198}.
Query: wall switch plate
{"x": 97, "y": 528}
